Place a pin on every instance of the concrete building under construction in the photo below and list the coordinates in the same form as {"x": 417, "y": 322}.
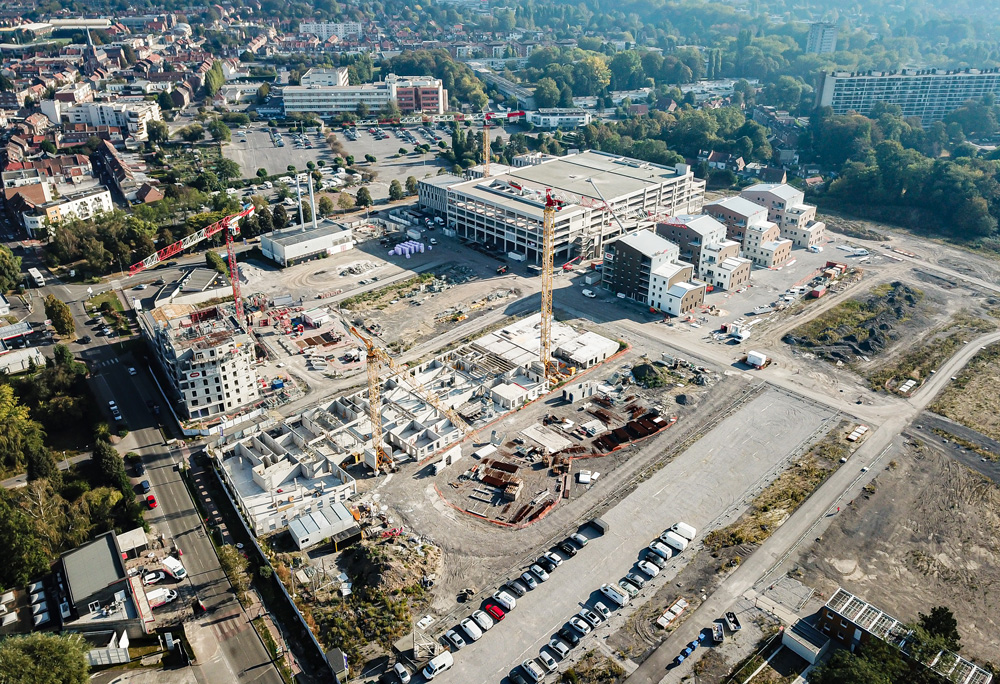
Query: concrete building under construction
{"x": 207, "y": 359}
{"x": 598, "y": 192}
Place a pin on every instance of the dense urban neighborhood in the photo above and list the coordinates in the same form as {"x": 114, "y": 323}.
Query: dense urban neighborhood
{"x": 485, "y": 341}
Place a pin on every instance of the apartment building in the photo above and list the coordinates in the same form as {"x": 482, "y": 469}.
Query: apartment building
{"x": 126, "y": 116}
{"x": 786, "y": 207}
{"x": 206, "y": 357}
{"x": 505, "y": 211}
{"x": 822, "y": 38}
{"x": 764, "y": 246}
{"x": 41, "y": 219}
{"x": 928, "y": 94}
{"x": 559, "y": 118}
{"x": 324, "y": 30}
{"x": 325, "y": 77}
{"x": 702, "y": 242}
{"x": 736, "y": 213}
{"x": 646, "y": 268}
{"x": 411, "y": 93}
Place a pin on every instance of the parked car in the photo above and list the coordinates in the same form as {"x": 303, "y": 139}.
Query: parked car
{"x": 85, "y": 339}
{"x": 518, "y": 587}
{"x": 590, "y": 617}
{"x": 529, "y": 579}
{"x": 144, "y": 486}
{"x": 505, "y": 600}
{"x": 140, "y": 469}
{"x": 579, "y": 539}
{"x": 602, "y": 610}
{"x": 660, "y": 549}
{"x": 547, "y": 661}
{"x": 401, "y": 673}
{"x": 472, "y": 629}
{"x": 542, "y": 575}
{"x": 655, "y": 559}
{"x": 483, "y": 620}
{"x": 546, "y": 563}
{"x": 553, "y": 558}
{"x": 636, "y": 579}
{"x": 580, "y": 625}
{"x": 569, "y": 636}
{"x": 648, "y": 568}
{"x": 516, "y": 677}
{"x": 151, "y": 501}
{"x": 628, "y": 588}
{"x": 153, "y": 577}
{"x": 132, "y": 371}
{"x": 567, "y": 548}
{"x": 559, "y": 647}
{"x": 533, "y": 670}
{"x": 495, "y": 612}
{"x": 454, "y": 639}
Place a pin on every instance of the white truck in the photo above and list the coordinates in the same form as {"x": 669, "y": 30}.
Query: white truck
{"x": 160, "y": 597}
{"x": 674, "y": 540}
{"x": 174, "y": 568}
{"x": 685, "y": 530}
{"x": 614, "y": 595}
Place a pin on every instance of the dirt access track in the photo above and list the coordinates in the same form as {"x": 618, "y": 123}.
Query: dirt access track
{"x": 923, "y": 535}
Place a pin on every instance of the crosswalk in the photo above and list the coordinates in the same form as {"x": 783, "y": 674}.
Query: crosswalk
{"x": 229, "y": 626}
{"x": 107, "y": 362}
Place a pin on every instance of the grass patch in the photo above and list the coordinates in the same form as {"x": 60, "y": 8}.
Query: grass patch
{"x": 966, "y": 444}
{"x": 396, "y": 290}
{"x": 941, "y": 344}
{"x": 972, "y": 398}
{"x": 782, "y": 497}
{"x": 111, "y": 309}
{"x": 594, "y": 668}
{"x": 272, "y": 648}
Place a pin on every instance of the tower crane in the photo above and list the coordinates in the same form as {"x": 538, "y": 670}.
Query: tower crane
{"x": 376, "y": 357}
{"x": 231, "y": 224}
{"x": 545, "y": 327}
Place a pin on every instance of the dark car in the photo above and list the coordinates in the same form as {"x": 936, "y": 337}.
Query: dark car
{"x": 546, "y": 563}
{"x": 516, "y": 677}
{"x": 85, "y": 339}
{"x": 144, "y": 485}
{"x": 569, "y": 636}
{"x": 140, "y": 469}
{"x": 567, "y": 547}
{"x": 517, "y": 588}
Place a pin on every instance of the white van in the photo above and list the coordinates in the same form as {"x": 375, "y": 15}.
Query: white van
{"x": 160, "y": 597}
{"x": 589, "y": 293}
{"x": 438, "y": 664}
{"x": 174, "y": 568}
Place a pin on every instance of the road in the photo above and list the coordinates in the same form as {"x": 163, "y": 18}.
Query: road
{"x": 807, "y": 521}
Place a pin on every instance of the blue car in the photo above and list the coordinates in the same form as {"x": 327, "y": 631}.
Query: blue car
{"x": 145, "y": 486}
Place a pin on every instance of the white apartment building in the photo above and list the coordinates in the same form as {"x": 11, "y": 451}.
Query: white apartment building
{"x": 559, "y": 118}
{"x": 822, "y": 38}
{"x": 786, "y": 207}
{"x": 127, "y": 116}
{"x": 324, "y": 30}
{"x": 702, "y": 241}
{"x": 206, "y": 357}
{"x": 325, "y": 77}
{"x": 41, "y": 221}
{"x": 505, "y": 211}
{"x": 412, "y": 93}
{"x": 928, "y": 94}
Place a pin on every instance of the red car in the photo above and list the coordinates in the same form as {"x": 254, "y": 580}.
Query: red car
{"x": 151, "y": 501}
{"x": 495, "y": 612}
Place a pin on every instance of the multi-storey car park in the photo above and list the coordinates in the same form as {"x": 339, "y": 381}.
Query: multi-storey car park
{"x": 595, "y": 190}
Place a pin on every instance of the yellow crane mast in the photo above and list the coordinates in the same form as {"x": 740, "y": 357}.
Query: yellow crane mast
{"x": 545, "y": 328}
{"x": 376, "y": 357}
{"x": 486, "y": 148}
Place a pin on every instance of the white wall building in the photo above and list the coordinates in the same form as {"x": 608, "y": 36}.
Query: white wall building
{"x": 412, "y": 93}
{"x": 130, "y": 117}
{"x": 294, "y": 245}
{"x": 822, "y": 38}
{"x": 787, "y": 208}
{"x": 559, "y": 118}
{"x": 505, "y": 211}
{"x": 325, "y": 77}
{"x": 324, "y": 30}
{"x": 83, "y": 205}
{"x": 206, "y": 357}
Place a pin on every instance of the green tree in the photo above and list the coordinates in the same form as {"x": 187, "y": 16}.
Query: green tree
{"x": 396, "y": 191}
{"x": 214, "y": 261}
{"x": 227, "y": 169}
{"x": 364, "y": 198}
{"x": 48, "y": 146}
{"x": 10, "y": 269}
{"x": 402, "y": 151}
{"x": 411, "y": 185}
{"x": 345, "y": 201}
{"x": 390, "y": 110}
{"x": 236, "y": 569}
{"x": 214, "y": 79}
{"x": 263, "y": 92}
{"x": 44, "y": 658}
{"x": 875, "y": 663}
{"x": 941, "y": 623}
{"x": 279, "y": 217}
{"x": 626, "y": 71}
{"x": 192, "y": 133}
{"x": 219, "y": 131}
{"x": 371, "y": 158}
{"x": 247, "y": 56}
{"x": 307, "y": 214}
{"x": 546, "y": 93}
{"x": 165, "y": 101}
{"x": 25, "y": 556}
{"x": 157, "y": 132}
{"x": 349, "y": 160}
{"x": 783, "y": 93}
{"x": 325, "y": 206}
{"x": 19, "y": 434}
{"x": 262, "y": 173}
{"x": 361, "y": 110}
{"x": 58, "y": 312}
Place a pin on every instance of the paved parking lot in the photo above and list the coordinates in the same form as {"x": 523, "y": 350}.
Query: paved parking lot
{"x": 708, "y": 485}
{"x": 260, "y": 152}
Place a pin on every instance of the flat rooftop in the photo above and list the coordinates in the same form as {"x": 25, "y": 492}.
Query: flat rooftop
{"x": 294, "y": 236}
{"x": 93, "y": 567}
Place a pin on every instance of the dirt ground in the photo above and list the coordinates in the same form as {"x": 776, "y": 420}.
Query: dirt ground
{"x": 923, "y": 535}
{"x": 972, "y": 399}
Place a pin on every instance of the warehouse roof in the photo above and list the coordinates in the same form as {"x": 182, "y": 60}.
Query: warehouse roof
{"x": 295, "y": 235}
{"x": 93, "y": 567}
